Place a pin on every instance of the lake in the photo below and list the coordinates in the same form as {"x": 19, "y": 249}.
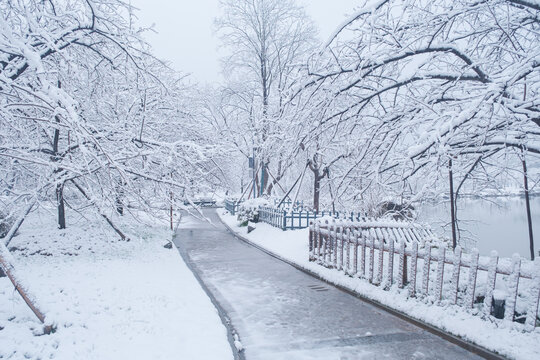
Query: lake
{"x": 495, "y": 223}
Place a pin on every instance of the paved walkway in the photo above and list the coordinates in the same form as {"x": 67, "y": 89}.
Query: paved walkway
{"x": 283, "y": 313}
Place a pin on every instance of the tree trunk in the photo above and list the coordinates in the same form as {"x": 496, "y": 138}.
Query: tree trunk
{"x": 119, "y": 200}
{"x": 528, "y": 206}
{"x": 59, "y": 187}
{"x": 256, "y": 187}
{"x": 263, "y": 180}
{"x": 171, "y": 209}
{"x": 316, "y": 190}
{"x": 60, "y": 206}
{"x": 452, "y": 205}
{"x": 7, "y": 264}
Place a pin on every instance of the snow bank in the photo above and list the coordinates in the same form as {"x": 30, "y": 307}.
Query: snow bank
{"x": 109, "y": 299}
{"x": 506, "y": 338}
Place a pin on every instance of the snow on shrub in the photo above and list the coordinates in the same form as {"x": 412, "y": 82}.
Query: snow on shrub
{"x": 249, "y": 210}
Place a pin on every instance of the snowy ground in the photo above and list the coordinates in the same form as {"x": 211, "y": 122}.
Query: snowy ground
{"x": 504, "y": 337}
{"x": 109, "y": 299}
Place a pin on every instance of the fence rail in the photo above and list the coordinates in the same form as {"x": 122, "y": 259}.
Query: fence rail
{"x": 232, "y": 206}
{"x": 298, "y": 218}
{"x": 369, "y": 251}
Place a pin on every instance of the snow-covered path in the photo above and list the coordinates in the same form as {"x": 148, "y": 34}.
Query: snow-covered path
{"x": 283, "y": 313}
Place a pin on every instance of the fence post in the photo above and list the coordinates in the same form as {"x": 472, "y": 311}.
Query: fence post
{"x": 532, "y": 310}
{"x": 510, "y": 306}
{"x": 371, "y": 257}
{"x": 319, "y": 242}
{"x": 284, "y": 224}
{"x": 335, "y": 245}
{"x": 455, "y": 273}
{"x": 390, "y": 280}
{"x": 354, "y": 234}
{"x": 347, "y": 239}
{"x": 440, "y": 273}
{"x": 414, "y": 262}
{"x": 402, "y": 265}
{"x": 473, "y": 271}
{"x": 341, "y": 245}
{"x": 381, "y": 261}
{"x": 363, "y": 253}
{"x": 425, "y": 272}
{"x": 310, "y": 242}
{"x": 491, "y": 279}
{"x": 328, "y": 255}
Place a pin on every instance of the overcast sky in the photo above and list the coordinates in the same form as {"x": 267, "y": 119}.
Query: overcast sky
{"x": 185, "y": 30}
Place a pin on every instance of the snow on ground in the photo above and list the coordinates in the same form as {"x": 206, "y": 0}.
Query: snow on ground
{"x": 503, "y": 337}
{"x": 109, "y": 299}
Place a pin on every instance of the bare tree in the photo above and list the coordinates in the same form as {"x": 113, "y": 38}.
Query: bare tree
{"x": 428, "y": 81}
{"x": 268, "y": 41}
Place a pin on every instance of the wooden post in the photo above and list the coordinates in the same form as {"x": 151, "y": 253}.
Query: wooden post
{"x": 455, "y": 273}
{"x": 530, "y": 321}
{"x": 381, "y": 262}
{"x": 371, "y": 257}
{"x": 341, "y": 246}
{"x": 414, "y": 262}
{"x": 510, "y": 305}
{"x": 425, "y": 272}
{"x": 335, "y": 246}
{"x": 363, "y": 253}
{"x": 491, "y": 279}
{"x": 310, "y": 242}
{"x": 319, "y": 242}
{"x": 471, "y": 285}
{"x": 354, "y": 234}
{"x": 347, "y": 239}
{"x": 390, "y": 280}
{"x": 440, "y": 273}
{"x": 402, "y": 265}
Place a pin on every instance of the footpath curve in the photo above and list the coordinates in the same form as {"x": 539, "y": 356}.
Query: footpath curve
{"x": 281, "y": 312}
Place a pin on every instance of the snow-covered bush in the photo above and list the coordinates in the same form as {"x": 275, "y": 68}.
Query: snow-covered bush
{"x": 249, "y": 210}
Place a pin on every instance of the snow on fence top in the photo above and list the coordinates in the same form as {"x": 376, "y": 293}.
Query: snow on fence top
{"x": 385, "y": 229}
{"x": 507, "y": 289}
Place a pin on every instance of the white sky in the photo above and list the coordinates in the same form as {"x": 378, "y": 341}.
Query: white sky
{"x": 185, "y": 30}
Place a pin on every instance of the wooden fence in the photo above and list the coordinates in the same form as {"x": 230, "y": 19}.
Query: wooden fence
{"x": 370, "y": 250}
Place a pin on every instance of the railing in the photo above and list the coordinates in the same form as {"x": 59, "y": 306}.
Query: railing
{"x": 370, "y": 251}
{"x": 298, "y": 218}
{"x": 232, "y": 206}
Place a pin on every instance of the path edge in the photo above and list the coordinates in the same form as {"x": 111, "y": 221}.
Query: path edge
{"x": 469, "y": 346}
{"x": 225, "y": 319}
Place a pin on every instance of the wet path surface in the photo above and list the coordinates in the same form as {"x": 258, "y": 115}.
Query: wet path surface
{"x": 283, "y": 313}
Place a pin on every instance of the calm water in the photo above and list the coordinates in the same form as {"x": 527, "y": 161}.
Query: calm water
{"x": 499, "y": 224}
